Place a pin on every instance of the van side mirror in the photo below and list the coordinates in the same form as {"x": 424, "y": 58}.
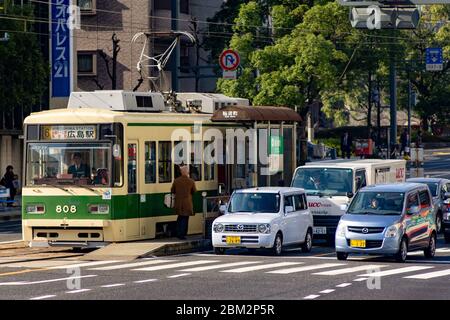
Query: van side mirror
{"x": 288, "y": 209}
{"x": 350, "y": 195}
{"x": 447, "y": 195}
{"x": 222, "y": 209}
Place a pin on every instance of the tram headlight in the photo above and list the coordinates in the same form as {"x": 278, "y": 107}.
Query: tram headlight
{"x": 99, "y": 208}
{"x": 264, "y": 228}
{"x": 35, "y": 208}
{"x": 218, "y": 227}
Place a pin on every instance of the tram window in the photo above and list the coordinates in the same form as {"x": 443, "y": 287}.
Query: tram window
{"x": 195, "y": 167}
{"x": 165, "y": 161}
{"x": 132, "y": 176}
{"x": 150, "y": 162}
{"x": 209, "y": 163}
{"x": 32, "y": 132}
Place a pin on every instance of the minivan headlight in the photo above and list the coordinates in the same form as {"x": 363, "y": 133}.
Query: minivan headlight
{"x": 218, "y": 227}
{"x": 264, "y": 228}
{"x": 392, "y": 231}
{"x": 340, "y": 231}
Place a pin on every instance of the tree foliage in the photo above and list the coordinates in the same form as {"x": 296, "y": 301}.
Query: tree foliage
{"x": 23, "y": 71}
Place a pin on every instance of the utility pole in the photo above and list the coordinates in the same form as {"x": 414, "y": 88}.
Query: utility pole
{"x": 176, "y": 53}
{"x": 393, "y": 99}
{"x": 409, "y": 109}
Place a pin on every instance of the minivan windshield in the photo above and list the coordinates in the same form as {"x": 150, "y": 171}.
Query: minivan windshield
{"x": 324, "y": 181}
{"x": 377, "y": 203}
{"x": 254, "y": 202}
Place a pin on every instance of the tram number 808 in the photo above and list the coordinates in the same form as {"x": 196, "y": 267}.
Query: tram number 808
{"x": 66, "y": 209}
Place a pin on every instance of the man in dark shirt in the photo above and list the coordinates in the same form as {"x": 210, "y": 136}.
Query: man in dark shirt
{"x": 79, "y": 169}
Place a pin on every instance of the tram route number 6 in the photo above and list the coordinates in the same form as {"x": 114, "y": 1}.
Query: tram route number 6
{"x": 66, "y": 209}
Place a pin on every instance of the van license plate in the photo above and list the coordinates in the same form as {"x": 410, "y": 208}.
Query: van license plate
{"x": 320, "y": 230}
{"x": 358, "y": 243}
{"x": 233, "y": 240}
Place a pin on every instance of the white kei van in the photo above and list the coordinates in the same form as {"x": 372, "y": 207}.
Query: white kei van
{"x": 330, "y": 185}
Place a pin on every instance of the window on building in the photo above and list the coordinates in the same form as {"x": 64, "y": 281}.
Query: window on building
{"x": 167, "y": 5}
{"x": 87, "y": 6}
{"x": 165, "y": 161}
{"x": 150, "y": 162}
{"x": 87, "y": 63}
{"x": 184, "y": 59}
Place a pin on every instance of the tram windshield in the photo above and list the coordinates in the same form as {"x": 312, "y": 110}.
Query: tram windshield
{"x": 69, "y": 164}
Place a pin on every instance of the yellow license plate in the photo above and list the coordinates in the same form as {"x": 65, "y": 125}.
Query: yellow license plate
{"x": 358, "y": 243}
{"x": 233, "y": 240}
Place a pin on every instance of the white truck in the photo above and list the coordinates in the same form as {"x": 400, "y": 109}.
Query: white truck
{"x": 330, "y": 185}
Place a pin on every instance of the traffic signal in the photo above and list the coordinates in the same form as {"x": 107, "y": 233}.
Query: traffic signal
{"x": 374, "y": 17}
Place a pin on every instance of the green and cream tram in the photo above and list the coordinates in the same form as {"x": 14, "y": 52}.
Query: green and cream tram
{"x": 100, "y": 170}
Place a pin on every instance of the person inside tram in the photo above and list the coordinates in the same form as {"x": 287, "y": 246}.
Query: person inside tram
{"x": 101, "y": 177}
{"x": 79, "y": 169}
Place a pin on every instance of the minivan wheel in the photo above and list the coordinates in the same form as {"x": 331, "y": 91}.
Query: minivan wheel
{"x": 307, "y": 245}
{"x": 219, "y": 250}
{"x": 342, "y": 255}
{"x": 439, "y": 222}
{"x": 447, "y": 237}
{"x": 402, "y": 253}
{"x": 430, "y": 251}
{"x": 277, "y": 245}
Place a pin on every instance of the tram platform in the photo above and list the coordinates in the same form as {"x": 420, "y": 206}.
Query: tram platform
{"x": 149, "y": 248}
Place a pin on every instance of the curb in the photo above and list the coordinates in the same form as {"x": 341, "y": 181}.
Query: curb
{"x": 6, "y": 216}
{"x": 180, "y": 248}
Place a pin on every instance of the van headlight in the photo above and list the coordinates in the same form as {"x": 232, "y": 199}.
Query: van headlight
{"x": 218, "y": 227}
{"x": 392, "y": 231}
{"x": 340, "y": 231}
{"x": 264, "y": 228}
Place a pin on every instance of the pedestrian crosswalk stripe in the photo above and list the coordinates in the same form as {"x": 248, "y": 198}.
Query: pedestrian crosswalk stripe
{"x": 306, "y": 268}
{"x": 311, "y": 296}
{"x": 220, "y": 266}
{"x": 85, "y": 264}
{"x": 430, "y": 275}
{"x": 132, "y": 265}
{"x": 394, "y": 271}
{"x": 176, "y": 265}
{"x": 349, "y": 270}
{"x": 261, "y": 267}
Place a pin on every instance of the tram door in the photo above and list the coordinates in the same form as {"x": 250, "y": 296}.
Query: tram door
{"x": 133, "y": 210}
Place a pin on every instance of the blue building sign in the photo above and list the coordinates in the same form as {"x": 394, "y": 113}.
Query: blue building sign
{"x": 434, "y": 59}
{"x": 61, "y": 48}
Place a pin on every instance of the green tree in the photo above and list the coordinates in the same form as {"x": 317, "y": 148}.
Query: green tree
{"x": 23, "y": 71}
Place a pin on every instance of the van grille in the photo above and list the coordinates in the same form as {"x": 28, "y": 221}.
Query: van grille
{"x": 240, "y": 228}
{"x": 369, "y": 229}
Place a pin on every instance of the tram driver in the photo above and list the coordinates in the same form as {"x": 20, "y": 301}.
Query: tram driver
{"x": 79, "y": 169}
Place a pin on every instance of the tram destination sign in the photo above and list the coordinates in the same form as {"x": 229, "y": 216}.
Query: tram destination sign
{"x": 69, "y": 132}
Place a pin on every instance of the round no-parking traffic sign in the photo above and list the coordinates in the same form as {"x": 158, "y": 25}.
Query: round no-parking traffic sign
{"x": 229, "y": 60}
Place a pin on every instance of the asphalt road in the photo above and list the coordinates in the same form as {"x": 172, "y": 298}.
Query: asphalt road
{"x": 236, "y": 275}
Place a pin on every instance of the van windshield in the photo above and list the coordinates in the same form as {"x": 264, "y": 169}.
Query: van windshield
{"x": 324, "y": 181}
{"x": 255, "y": 202}
{"x": 377, "y": 203}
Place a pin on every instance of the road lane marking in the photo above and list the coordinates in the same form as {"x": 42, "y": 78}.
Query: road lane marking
{"x": 312, "y": 296}
{"x": 220, "y": 266}
{"x": 146, "y": 280}
{"x": 306, "y": 268}
{"x": 430, "y": 275}
{"x": 394, "y": 271}
{"x": 44, "y": 297}
{"x": 113, "y": 285}
{"x": 360, "y": 279}
{"x": 176, "y": 265}
{"x": 44, "y": 281}
{"x": 131, "y": 265}
{"x": 261, "y": 267}
{"x": 343, "y": 285}
{"x": 85, "y": 264}
{"x": 78, "y": 291}
{"x": 349, "y": 270}
{"x": 22, "y": 272}
{"x": 327, "y": 291}
{"x": 179, "y": 275}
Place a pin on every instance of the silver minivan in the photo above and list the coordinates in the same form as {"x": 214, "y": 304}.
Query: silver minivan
{"x": 388, "y": 219}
